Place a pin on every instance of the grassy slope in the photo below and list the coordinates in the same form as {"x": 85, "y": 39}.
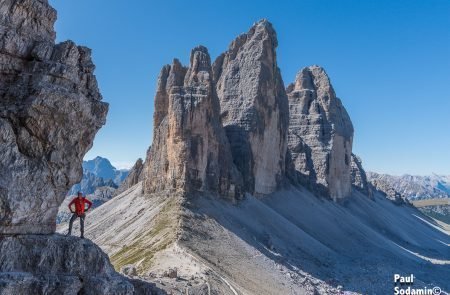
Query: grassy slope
{"x": 287, "y": 243}
{"x": 131, "y": 228}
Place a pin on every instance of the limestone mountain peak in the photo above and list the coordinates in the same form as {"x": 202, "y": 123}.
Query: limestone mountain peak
{"x": 264, "y": 27}
{"x": 254, "y": 107}
{"x": 320, "y": 134}
{"x": 199, "y": 71}
{"x": 190, "y": 151}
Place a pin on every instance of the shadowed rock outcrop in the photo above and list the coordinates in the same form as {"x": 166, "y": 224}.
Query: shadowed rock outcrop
{"x": 50, "y": 111}
{"x": 359, "y": 177}
{"x": 37, "y": 264}
{"x": 190, "y": 151}
{"x": 320, "y": 134}
{"x": 254, "y": 107}
{"x": 134, "y": 176}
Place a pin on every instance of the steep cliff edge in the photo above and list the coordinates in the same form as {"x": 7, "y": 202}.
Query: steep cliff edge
{"x": 190, "y": 151}
{"x": 254, "y": 107}
{"x": 50, "y": 111}
{"x": 135, "y": 175}
{"x": 320, "y": 134}
{"x": 359, "y": 177}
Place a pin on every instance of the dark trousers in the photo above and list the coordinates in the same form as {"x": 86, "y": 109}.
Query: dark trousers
{"x": 72, "y": 219}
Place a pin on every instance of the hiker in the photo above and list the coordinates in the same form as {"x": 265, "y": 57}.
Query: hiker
{"x": 79, "y": 201}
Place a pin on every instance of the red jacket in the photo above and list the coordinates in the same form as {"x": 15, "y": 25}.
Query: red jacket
{"x": 79, "y": 205}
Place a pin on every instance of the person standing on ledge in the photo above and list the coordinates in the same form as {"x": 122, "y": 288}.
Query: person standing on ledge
{"x": 79, "y": 201}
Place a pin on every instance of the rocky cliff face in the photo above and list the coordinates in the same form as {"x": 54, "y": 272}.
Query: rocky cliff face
{"x": 386, "y": 189}
{"x": 254, "y": 107}
{"x": 190, "y": 151}
{"x": 320, "y": 134}
{"x": 50, "y": 111}
{"x": 359, "y": 177}
{"x": 259, "y": 118}
{"x": 36, "y": 264}
{"x": 134, "y": 176}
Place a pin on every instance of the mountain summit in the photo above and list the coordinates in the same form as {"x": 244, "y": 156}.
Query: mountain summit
{"x": 254, "y": 107}
{"x": 190, "y": 151}
{"x": 103, "y": 168}
{"x": 320, "y": 134}
{"x": 98, "y": 172}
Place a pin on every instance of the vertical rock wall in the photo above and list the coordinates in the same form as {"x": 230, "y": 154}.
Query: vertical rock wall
{"x": 190, "y": 151}
{"x": 50, "y": 111}
{"x": 320, "y": 134}
{"x": 359, "y": 177}
{"x": 254, "y": 107}
{"x": 303, "y": 133}
{"x": 134, "y": 176}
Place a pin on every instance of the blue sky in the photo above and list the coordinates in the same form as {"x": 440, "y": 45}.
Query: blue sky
{"x": 389, "y": 62}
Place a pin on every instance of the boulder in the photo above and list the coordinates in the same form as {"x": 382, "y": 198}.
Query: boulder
{"x": 320, "y": 134}
{"x": 54, "y": 264}
{"x": 171, "y": 273}
{"x": 254, "y": 107}
{"x": 129, "y": 270}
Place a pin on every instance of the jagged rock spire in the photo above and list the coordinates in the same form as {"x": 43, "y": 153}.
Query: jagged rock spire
{"x": 359, "y": 177}
{"x": 190, "y": 151}
{"x": 320, "y": 134}
{"x": 134, "y": 176}
{"x": 254, "y": 107}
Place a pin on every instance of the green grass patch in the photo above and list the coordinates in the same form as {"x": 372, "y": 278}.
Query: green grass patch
{"x": 158, "y": 238}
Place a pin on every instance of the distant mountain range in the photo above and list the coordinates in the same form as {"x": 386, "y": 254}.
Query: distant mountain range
{"x": 98, "y": 172}
{"x": 429, "y": 194}
{"x": 103, "y": 168}
{"x": 100, "y": 182}
{"x": 415, "y": 187}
